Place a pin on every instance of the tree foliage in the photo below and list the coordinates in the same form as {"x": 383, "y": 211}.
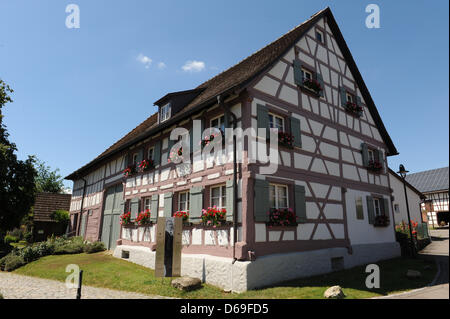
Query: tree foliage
{"x": 47, "y": 181}
{"x": 17, "y": 177}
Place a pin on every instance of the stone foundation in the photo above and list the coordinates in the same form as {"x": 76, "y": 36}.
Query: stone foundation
{"x": 266, "y": 270}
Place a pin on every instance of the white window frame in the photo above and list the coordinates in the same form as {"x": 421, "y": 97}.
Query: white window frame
{"x": 219, "y": 118}
{"x": 377, "y": 205}
{"x": 164, "y": 113}
{"x": 187, "y": 201}
{"x": 147, "y": 203}
{"x": 278, "y": 186}
{"x": 274, "y": 116}
{"x": 371, "y": 154}
{"x": 397, "y": 208}
{"x": 304, "y": 72}
{"x": 153, "y": 152}
{"x": 135, "y": 157}
{"x": 350, "y": 97}
{"x": 222, "y": 195}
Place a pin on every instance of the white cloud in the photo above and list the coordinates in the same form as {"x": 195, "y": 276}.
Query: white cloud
{"x": 161, "y": 65}
{"x": 145, "y": 60}
{"x": 193, "y": 66}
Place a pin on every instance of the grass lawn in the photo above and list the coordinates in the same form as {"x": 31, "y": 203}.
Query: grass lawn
{"x": 103, "y": 270}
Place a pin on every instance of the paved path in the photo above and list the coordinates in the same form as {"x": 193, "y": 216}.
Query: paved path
{"x": 439, "y": 251}
{"x": 14, "y": 286}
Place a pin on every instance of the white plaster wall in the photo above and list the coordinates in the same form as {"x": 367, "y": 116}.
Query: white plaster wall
{"x": 399, "y": 198}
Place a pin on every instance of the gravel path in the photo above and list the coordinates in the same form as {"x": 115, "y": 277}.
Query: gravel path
{"x": 14, "y": 286}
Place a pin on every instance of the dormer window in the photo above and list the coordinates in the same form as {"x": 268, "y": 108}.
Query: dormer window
{"x": 164, "y": 113}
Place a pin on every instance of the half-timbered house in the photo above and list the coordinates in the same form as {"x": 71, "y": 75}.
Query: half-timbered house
{"x": 331, "y": 173}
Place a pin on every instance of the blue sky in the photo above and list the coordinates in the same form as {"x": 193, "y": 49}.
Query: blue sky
{"x": 79, "y": 90}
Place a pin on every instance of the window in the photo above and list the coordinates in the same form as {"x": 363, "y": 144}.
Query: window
{"x": 135, "y": 157}
{"x": 307, "y": 75}
{"x": 218, "y": 122}
{"x": 276, "y": 121}
{"x": 150, "y": 153}
{"x": 371, "y": 155}
{"x": 319, "y": 36}
{"x": 183, "y": 201}
{"x": 164, "y": 113}
{"x": 396, "y": 208}
{"x": 278, "y": 196}
{"x": 350, "y": 98}
{"x": 377, "y": 206}
{"x": 147, "y": 203}
{"x": 218, "y": 196}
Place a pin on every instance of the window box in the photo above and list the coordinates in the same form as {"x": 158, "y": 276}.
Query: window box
{"x": 176, "y": 155}
{"x": 286, "y": 139}
{"x": 381, "y": 221}
{"x": 130, "y": 170}
{"x": 182, "y": 214}
{"x": 353, "y": 109}
{"x": 214, "y": 216}
{"x": 281, "y": 217}
{"x": 374, "y": 166}
{"x": 146, "y": 165}
{"x": 125, "y": 220}
{"x": 143, "y": 218}
{"x": 313, "y": 86}
{"x": 208, "y": 139}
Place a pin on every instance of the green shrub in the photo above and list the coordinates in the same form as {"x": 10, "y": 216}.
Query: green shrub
{"x": 60, "y": 216}
{"x": 11, "y": 262}
{"x": 91, "y": 248}
{"x": 16, "y": 232}
{"x": 74, "y": 245}
{"x": 1, "y": 296}
{"x": 10, "y": 239}
{"x": 28, "y": 237}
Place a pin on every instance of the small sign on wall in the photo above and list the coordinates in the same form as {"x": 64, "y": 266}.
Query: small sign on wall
{"x": 168, "y": 247}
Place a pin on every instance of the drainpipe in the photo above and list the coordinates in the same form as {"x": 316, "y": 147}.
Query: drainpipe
{"x": 235, "y": 190}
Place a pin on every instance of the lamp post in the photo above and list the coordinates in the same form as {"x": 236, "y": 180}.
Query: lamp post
{"x": 402, "y": 171}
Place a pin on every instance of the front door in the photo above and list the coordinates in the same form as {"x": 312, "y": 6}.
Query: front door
{"x": 111, "y": 216}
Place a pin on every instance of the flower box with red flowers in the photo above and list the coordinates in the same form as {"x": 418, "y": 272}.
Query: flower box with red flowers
{"x": 281, "y": 217}
{"x": 374, "y": 166}
{"x": 183, "y": 215}
{"x": 125, "y": 219}
{"x": 286, "y": 139}
{"x": 214, "y": 216}
{"x": 129, "y": 171}
{"x": 143, "y": 218}
{"x": 146, "y": 165}
{"x": 209, "y": 138}
{"x": 175, "y": 155}
{"x": 353, "y": 108}
{"x": 381, "y": 221}
{"x": 313, "y": 85}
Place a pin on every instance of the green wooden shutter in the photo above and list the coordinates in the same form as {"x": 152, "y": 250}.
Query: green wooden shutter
{"x": 370, "y": 209}
{"x": 365, "y": 154}
{"x": 298, "y": 75}
{"x": 300, "y": 203}
{"x": 154, "y": 208}
{"x": 196, "y": 204}
{"x": 379, "y": 157}
{"x": 386, "y": 206}
{"x": 230, "y": 200}
{"x": 157, "y": 153}
{"x": 296, "y": 131}
{"x": 263, "y": 118}
{"x": 343, "y": 93}
{"x": 320, "y": 80}
{"x": 134, "y": 207}
{"x": 261, "y": 200}
{"x": 168, "y": 204}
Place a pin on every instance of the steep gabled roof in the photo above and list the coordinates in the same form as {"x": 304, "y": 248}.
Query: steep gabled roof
{"x": 237, "y": 77}
{"x": 431, "y": 180}
{"x": 415, "y": 190}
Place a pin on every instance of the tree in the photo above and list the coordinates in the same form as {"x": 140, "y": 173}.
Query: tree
{"x": 17, "y": 177}
{"x": 48, "y": 181}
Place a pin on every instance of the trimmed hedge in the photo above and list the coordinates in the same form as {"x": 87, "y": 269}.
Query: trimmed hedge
{"x": 96, "y": 247}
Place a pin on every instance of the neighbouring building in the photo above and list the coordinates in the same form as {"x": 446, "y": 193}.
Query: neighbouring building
{"x": 415, "y": 198}
{"x": 45, "y": 204}
{"x": 434, "y": 185}
{"x": 333, "y": 176}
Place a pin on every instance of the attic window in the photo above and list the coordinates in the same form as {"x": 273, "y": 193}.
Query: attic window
{"x": 319, "y": 36}
{"x": 164, "y": 113}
